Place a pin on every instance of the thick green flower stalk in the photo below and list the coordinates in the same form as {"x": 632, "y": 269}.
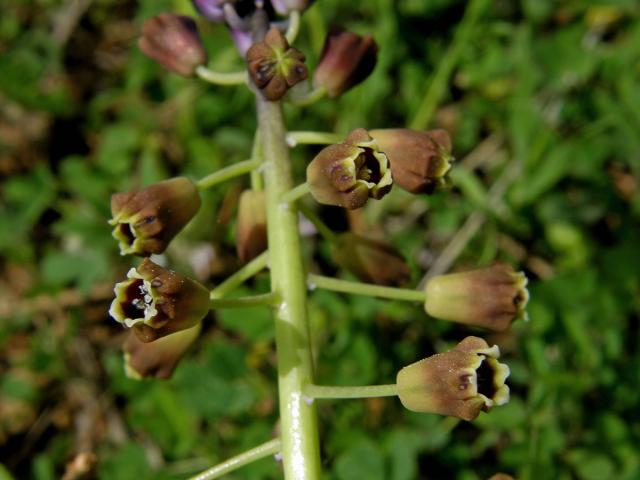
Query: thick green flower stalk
{"x": 164, "y": 309}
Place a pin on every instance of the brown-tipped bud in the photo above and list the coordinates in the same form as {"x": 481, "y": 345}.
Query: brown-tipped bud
{"x": 285, "y": 7}
{"x": 145, "y": 221}
{"x": 156, "y": 302}
{"x": 157, "y": 359}
{"x": 274, "y": 66}
{"x": 173, "y": 41}
{"x": 489, "y": 297}
{"x": 347, "y": 174}
{"x": 419, "y": 160}
{"x": 251, "y": 229}
{"x": 460, "y": 383}
{"x": 346, "y": 60}
{"x": 370, "y": 260}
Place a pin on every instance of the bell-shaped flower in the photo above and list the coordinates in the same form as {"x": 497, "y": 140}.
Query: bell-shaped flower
{"x": 145, "y": 221}
{"x": 159, "y": 358}
{"x": 156, "y": 302}
{"x": 370, "y": 260}
{"x": 490, "y": 297}
{"x": 347, "y": 174}
{"x": 346, "y": 60}
{"x": 461, "y": 382}
{"x": 251, "y": 228}
{"x": 419, "y": 160}
{"x": 173, "y": 41}
{"x": 274, "y": 66}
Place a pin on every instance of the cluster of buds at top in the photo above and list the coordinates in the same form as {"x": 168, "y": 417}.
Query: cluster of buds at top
{"x": 349, "y": 173}
{"x": 490, "y": 297}
{"x": 173, "y": 41}
{"x": 461, "y": 382}
{"x": 145, "y": 221}
{"x": 274, "y": 66}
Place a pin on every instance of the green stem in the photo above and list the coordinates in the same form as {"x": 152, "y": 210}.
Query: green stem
{"x": 440, "y": 79}
{"x": 295, "y": 193}
{"x": 228, "y": 173}
{"x": 220, "y": 78}
{"x": 313, "y": 138}
{"x": 300, "y": 443}
{"x": 326, "y": 233}
{"x": 329, "y": 283}
{"x": 294, "y": 27}
{"x": 366, "y": 391}
{"x": 309, "y": 98}
{"x": 268, "y": 448}
{"x": 238, "y": 278}
{"x": 264, "y": 299}
{"x": 256, "y": 174}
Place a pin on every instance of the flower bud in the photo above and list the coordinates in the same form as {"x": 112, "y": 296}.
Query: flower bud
{"x": 489, "y": 297}
{"x": 348, "y": 173}
{"x": 285, "y": 7}
{"x": 251, "y": 230}
{"x": 159, "y": 358}
{"x": 419, "y": 160}
{"x": 274, "y": 66}
{"x": 156, "y": 302}
{"x": 346, "y": 60}
{"x": 370, "y": 260}
{"x": 210, "y": 9}
{"x": 145, "y": 221}
{"x": 459, "y": 383}
{"x": 173, "y": 41}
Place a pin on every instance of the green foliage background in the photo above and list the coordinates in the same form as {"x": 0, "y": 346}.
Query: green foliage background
{"x": 543, "y": 99}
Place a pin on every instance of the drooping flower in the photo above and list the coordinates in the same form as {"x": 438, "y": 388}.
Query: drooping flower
{"x": 419, "y": 160}
{"x": 370, "y": 260}
{"x": 156, "y": 302}
{"x": 490, "y": 297}
{"x": 173, "y": 41}
{"x": 347, "y": 174}
{"x": 461, "y": 382}
{"x": 159, "y": 358}
{"x": 275, "y": 66}
{"x": 251, "y": 230}
{"x": 346, "y": 60}
{"x": 145, "y": 221}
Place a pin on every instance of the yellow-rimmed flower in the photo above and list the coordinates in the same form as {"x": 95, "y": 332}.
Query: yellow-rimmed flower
{"x": 347, "y": 174}
{"x": 490, "y": 297}
{"x": 156, "y": 302}
{"x": 461, "y": 382}
{"x": 145, "y": 221}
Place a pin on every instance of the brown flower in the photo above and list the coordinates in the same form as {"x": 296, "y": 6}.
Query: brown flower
{"x": 251, "y": 230}
{"x": 173, "y": 41}
{"x": 156, "y": 302}
{"x": 346, "y": 60}
{"x": 145, "y": 221}
{"x": 419, "y": 160}
{"x": 460, "y": 383}
{"x": 347, "y": 174}
{"x": 490, "y": 297}
{"x": 274, "y": 66}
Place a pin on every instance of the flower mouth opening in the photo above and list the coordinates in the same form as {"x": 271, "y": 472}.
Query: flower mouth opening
{"x": 485, "y": 375}
{"x": 125, "y": 234}
{"x": 134, "y": 302}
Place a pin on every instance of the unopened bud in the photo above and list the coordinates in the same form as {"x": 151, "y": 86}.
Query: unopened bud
{"x": 490, "y": 297}
{"x": 347, "y": 174}
{"x": 461, "y": 382}
{"x": 370, "y": 260}
{"x": 419, "y": 160}
{"x": 251, "y": 230}
{"x": 173, "y": 41}
{"x": 156, "y": 302}
{"x": 346, "y": 60}
{"x": 159, "y": 358}
{"x": 274, "y": 66}
{"x": 145, "y": 221}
